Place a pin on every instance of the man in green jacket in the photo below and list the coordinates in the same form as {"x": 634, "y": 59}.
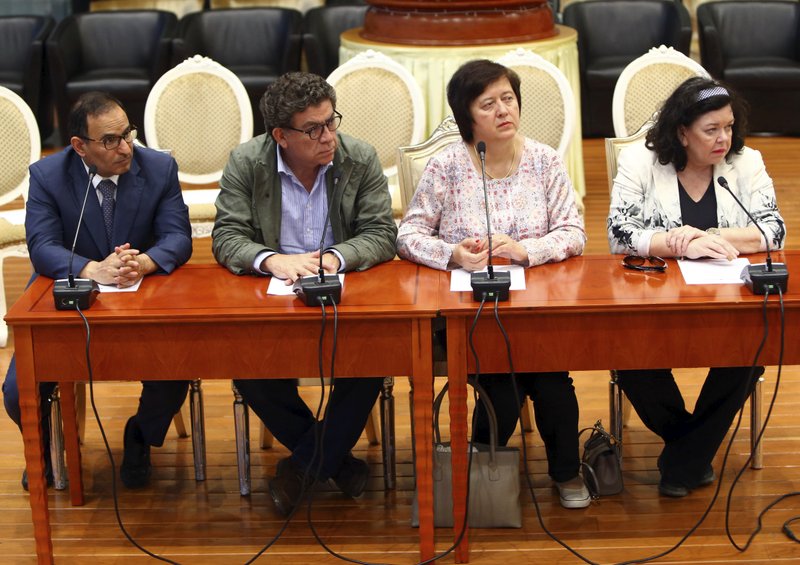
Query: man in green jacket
{"x": 271, "y": 210}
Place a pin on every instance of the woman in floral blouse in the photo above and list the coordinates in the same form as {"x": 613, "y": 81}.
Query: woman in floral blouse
{"x": 534, "y": 221}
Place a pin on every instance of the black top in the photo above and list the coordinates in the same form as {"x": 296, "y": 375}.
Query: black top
{"x": 703, "y": 214}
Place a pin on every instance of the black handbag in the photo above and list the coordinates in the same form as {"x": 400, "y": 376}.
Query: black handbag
{"x": 493, "y": 478}
{"x": 601, "y": 462}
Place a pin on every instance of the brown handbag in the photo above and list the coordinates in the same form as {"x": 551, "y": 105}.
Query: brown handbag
{"x": 601, "y": 462}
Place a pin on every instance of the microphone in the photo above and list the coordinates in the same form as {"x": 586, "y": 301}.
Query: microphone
{"x": 315, "y": 290}
{"x": 72, "y": 293}
{"x": 489, "y": 284}
{"x": 760, "y": 278}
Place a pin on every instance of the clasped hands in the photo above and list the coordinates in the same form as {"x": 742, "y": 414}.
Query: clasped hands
{"x": 292, "y": 267}
{"x": 692, "y": 243}
{"x": 472, "y": 254}
{"x": 123, "y": 268}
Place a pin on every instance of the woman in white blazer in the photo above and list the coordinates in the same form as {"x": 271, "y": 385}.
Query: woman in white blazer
{"x": 667, "y": 202}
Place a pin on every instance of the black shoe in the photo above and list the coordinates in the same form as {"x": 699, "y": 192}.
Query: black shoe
{"x": 672, "y": 490}
{"x": 48, "y": 475}
{"x": 135, "y": 469}
{"x": 288, "y": 486}
{"x": 708, "y": 478}
{"x": 352, "y": 476}
{"x": 679, "y": 491}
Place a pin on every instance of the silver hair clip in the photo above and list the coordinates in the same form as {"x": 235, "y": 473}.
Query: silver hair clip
{"x": 712, "y": 91}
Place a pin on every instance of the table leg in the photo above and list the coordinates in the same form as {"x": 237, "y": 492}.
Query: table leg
{"x": 422, "y": 381}
{"x": 457, "y": 379}
{"x": 72, "y": 443}
{"x": 32, "y": 440}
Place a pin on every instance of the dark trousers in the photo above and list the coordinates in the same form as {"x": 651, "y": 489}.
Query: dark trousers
{"x": 555, "y": 408}
{"x": 277, "y": 403}
{"x": 158, "y": 404}
{"x": 690, "y": 440}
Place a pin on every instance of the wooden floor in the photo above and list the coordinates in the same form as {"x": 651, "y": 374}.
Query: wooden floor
{"x": 209, "y": 523}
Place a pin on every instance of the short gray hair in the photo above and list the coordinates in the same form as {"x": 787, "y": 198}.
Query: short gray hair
{"x": 293, "y": 93}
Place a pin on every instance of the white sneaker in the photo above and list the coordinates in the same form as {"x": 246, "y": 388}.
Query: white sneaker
{"x": 573, "y": 493}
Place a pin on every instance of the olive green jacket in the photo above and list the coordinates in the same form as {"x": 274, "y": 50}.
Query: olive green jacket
{"x": 249, "y": 206}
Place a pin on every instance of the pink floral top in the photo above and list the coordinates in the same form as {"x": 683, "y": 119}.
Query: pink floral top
{"x": 535, "y": 206}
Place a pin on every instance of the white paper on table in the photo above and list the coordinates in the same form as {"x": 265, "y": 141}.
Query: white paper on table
{"x": 278, "y": 287}
{"x": 115, "y": 288}
{"x": 460, "y": 278}
{"x": 713, "y": 271}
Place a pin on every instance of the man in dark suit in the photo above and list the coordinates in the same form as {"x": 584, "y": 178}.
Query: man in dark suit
{"x": 135, "y": 224}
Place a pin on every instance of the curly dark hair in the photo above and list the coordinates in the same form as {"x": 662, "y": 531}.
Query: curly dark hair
{"x": 469, "y": 82}
{"x": 682, "y": 108}
{"x": 293, "y": 93}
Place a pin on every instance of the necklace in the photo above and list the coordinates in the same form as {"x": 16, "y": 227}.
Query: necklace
{"x": 510, "y": 168}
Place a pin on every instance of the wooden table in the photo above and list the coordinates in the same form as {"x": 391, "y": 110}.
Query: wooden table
{"x": 203, "y": 322}
{"x": 590, "y": 313}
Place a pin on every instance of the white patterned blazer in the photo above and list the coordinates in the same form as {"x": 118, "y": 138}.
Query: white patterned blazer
{"x": 645, "y": 200}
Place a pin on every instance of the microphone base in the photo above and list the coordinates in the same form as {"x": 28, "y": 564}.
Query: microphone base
{"x": 81, "y": 296}
{"x": 758, "y": 279}
{"x": 491, "y": 288}
{"x": 314, "y": 292}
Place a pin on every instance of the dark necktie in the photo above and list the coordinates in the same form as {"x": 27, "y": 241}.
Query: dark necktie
{"x": 106, "y": 188}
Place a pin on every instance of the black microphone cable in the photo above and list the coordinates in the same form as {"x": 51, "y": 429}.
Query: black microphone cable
{"x": 108, "y": 447}
{"x": 722, "y": 471}
{"x": 757, "y": 443}
{"x": 718, "y": 488}
{"x": 528, "y": 479}
{"x": 309, "y": 481}
{"x": 463, "y": 530}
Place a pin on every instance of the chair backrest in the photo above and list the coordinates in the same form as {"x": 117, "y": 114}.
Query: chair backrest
{"x": 20, "y": 145}
{"x": 547, "y": 111}
{"x": 178, "y": 7}
{"x": 747, "y": 29}
{"x": 17, "y": 37}
{"x": 322, "y": 28}
{"x": 200, "y": 111}
{"x": 250, "y": 37}
{"x": 301, "y": 5}
{"x": 616, "y": 144}
{"x": 412, "y": 159}
{"x": 125, "y": 38}
{"x": 21, "y": 65}
{"x": 380, "y": 103}
{"x": 619, "y": 28}
{"x": 645, "y": 83}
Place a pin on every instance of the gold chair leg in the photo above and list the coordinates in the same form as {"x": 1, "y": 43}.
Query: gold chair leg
{"x": 627, "y": 410}
{"x": 265, "y": 437}
{"x": 527, "y": 416}
{"x": 179, "y": 421}
{"x": 371, "y": 429}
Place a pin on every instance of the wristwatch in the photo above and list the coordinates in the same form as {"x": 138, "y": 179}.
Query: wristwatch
{"x": 713, "y": 231}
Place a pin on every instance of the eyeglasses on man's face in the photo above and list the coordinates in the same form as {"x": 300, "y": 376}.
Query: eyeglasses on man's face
{"x": 315, "y": 132}
{"x": 638, "y": 263}
{"x": 111, "y": 142}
